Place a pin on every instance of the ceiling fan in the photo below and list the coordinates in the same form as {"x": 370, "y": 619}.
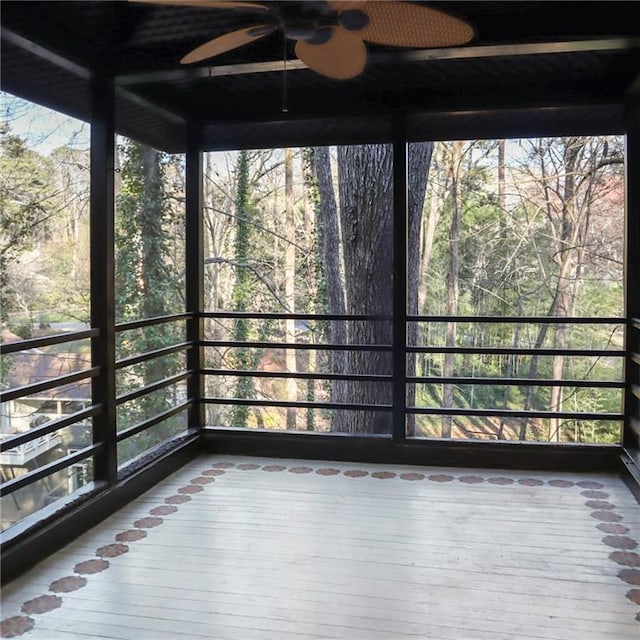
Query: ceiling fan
{"x": 330, "y": 35}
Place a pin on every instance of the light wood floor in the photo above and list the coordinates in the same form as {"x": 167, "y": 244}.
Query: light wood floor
{"x": 299, "y": 550}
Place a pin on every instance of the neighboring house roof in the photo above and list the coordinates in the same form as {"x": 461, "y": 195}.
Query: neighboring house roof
{"x": 30, "y": 367}
{"x": 8, "y": 336}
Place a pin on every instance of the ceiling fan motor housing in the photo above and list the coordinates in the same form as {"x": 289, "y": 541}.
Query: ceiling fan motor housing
{"x": 353, "y": 19}
{"x": 316, "y": 30}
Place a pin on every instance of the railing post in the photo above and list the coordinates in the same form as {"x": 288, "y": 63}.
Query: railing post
{"x": 194, "y": 268}
{"x": 631, "y": 434}
{"x": 400, "y": 222}
{"x": 102, "y": 205}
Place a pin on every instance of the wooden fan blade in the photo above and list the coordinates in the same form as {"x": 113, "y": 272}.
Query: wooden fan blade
{"x": 343, "y": 56}
{"x": 346, "y": 5}
{"x": 400, "y": 24}
{"x": 209, "y": 4}
{"x": 227, "y": 42}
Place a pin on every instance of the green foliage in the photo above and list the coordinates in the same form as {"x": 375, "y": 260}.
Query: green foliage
{"x": 242, "y": 290}
{"x": 511, "y": 252}
{"x": 28, "y": 201}
{"x": 146, "y": 286}
{"x": 511, "y": 257}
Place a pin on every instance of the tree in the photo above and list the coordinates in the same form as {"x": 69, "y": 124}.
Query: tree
{"x": 358, "y": 241}
{"x": 487, "y": 250}
{"x": 43, "y": 217}
{"x": 146, "y": 286}
{"x": 332, "y": 286}
{"x": 290, "y": 282}
{"x": 28, "y": 202}
{"x": 453, "y": 276}
{"x": 569, "y": 178}
{"x": 419, "y": 166}
{"x": 241, "y": 288}
{"x": 510, "y": 256}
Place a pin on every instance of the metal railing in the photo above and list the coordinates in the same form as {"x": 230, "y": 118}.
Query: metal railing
{"x": 407, "y": 350}
{"x": 263, "y": 345}
{"x": 25, "y": 447}
{"x": 31, "y": 439}
{"x": 148, "y": 356}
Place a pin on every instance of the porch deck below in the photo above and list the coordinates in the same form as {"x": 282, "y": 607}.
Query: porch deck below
{"x": 235, "y": 548}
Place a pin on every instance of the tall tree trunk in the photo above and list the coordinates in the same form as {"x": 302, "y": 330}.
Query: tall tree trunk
{"x": 566, "y": 257}
{"x": 452, "y": 282}
{"x": 152, "y": 266}
{"x": 214, "y": 330}
{"x": 144, "y": 289}
{"x": 313, "y": 303}
{"x": 365, "y": 182}
{"x": 329, "y": 232}
{"x": 141, "y": 270}
{"x": 436, "y": 205}
{"x": 419, "y": 164}
{"x": 290, "y": 283}
{"x": 566, "y": 278}
{"x": 502, "y": 204}
{"x": 365, "y": 177}
{"x": 502, "y": 193}
{"x": 428, "y": 237}
{"x": 241, "y": 287}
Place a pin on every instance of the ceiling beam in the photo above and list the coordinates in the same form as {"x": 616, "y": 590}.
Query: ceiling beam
{"x": 45, "y": 54}
{"x": 420, "y": 55}
{"x": 266, "y": 106}
{"x": 166, "y": 114}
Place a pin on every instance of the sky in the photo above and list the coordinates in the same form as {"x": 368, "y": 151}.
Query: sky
{"x": 43, "y": 129}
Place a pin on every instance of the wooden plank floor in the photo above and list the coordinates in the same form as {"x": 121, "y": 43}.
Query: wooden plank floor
{"x": 252, "y": 548}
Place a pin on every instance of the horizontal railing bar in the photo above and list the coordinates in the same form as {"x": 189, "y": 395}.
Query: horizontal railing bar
{"x": 151, "y": 422}
{"x": 635, "y": 357}
{"x": 33, "y": 434}
{"x": 252, "y": 402}
{"x": 413, "y": 318}
{"x": 635, "y": 389}
{"x": 150, "y": 388}
{"x": 518, "y": 382}
{"x": 151, "y": 355}
{"x": 248, "y": 315}
{"x": 36, "y": 343}
{"x": 518, "y": 319}
{"x": 523, "y": 382}
{"x": 604, "y": 353}
{"x": 514, "y": 413}
{"x": 296, "y": 345}
{"x": 10, "y": 486}
{"x": 301, "y": 375}
{"x": 635, "y": 323}
{"x": 52, "y": 383}
{"x": 149, "y": 322}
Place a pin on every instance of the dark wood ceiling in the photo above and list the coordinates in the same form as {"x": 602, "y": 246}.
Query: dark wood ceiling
{"x": 555, "y": 67}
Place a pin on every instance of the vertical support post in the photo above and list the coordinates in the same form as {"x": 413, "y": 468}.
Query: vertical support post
{"x": 102, "y": 204}
{"x": 400, "y": 253}
{"x": 631, "y": 433}
{"x": 194, "y": 269}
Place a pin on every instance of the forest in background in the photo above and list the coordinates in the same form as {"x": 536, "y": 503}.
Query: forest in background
{"x": 515, "y": 228}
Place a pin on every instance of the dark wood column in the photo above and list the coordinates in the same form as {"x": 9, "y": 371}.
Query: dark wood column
{"x": 194, "y": 269}
{"x": 102, "y": 275}
{"x": 631, "y": 434}
{"x": 400, "y": 225}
